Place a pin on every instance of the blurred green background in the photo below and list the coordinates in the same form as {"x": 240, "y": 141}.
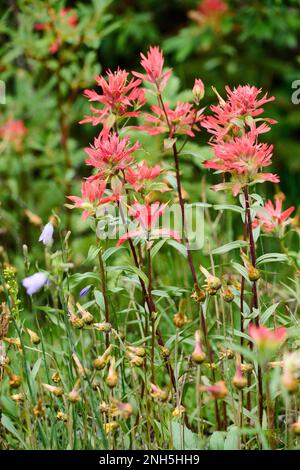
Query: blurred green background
{"x": 52, "y": 50}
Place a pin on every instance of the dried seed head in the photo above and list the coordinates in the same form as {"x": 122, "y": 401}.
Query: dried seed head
{"x": 14, "y": 381}
{"x": 213, "y": 283}
{"x": 16, "y": 342}
{"x": 139, "y": 351}
{"x": 79, "y": 367}
{"x": 86, "y": 316}
{"x": 228, "y": 295}
{"x": 57, "y": 391}
{"x": 39, "y": 409}
{"x": 96, "y": 384}
{"x": 34, "y": 338}
{"x": 101, "y": 361}
{"x": 104, "y": 407}
{"x": 117, "y": 408}
{"x": 4, "y": 320}
{"x": 111, "y": 427}
{"x": 199, "y": 295}
{"x": 178, "y": 411}
{"x": 18, "y": 398}
{"x": 112, "y": 376}
{"x": 75, "y": 321}
{"x": 246, "y": 367}
{"x": 158, "y": 393}
{"x": 61, "y": 416}
{"x": 253, "y": 273}
{"x": 180, "y": 319}
{"x": 165, "y": 352}
{"x": 56, "y": 377}
{"x": 106, "y": 327}
{"x": 136, "y": 360}
{"x": 226, "y": 354}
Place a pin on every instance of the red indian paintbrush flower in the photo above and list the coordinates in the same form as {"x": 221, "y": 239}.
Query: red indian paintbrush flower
{"x": 120, "y": 97}
{"x": 243, "y": 158}
{"x": 238, "y": 114}
{"x": 13, "y": 131}
{"x": 266, "y": 339}
{"x": 139, "y": 175}
{"x": 182, "y": 120}
{"x": 110, "y": 153}
{"x": 271, "y": 217}
{"x": 153, "y": 66}
{"x": 147, "y": 216}
{"x": 66, "y": 17}
{"x": 92, "y": 192}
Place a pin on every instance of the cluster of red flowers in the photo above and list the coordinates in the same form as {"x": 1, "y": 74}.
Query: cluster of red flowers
{"x": 59, "y": 22}
{"x": 13, "y": 131}
{"x": 236, "y": 125}
{"x": 121, "y": 98}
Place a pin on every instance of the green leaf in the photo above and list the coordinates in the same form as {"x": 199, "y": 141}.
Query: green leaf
{"x": 184, "y": 438}
{"x": 268, "y": 313}
{"x": 7, "y": 423}
{"x": 178, "y": 247}
{"x": 131, "y": 269}
{"x": 231, "y": 207}
{"x": 155, "y": 248}
{"x": 217, "y": 440}
{"x": 232, "y": 441}
{"x": 92, "y": 254}
{"x": 272, "y": 258}
{"x": 111, "y": 251}
{"x": 228, "y": 247}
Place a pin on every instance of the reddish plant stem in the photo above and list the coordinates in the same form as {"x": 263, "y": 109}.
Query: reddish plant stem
{"x": 186, "y": 242}
{"x": 254, "y": 303}
{"x": 151, "y": 305}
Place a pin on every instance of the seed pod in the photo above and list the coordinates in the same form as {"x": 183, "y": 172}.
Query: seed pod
{"x": 86, "y": 316}
{"x": 165, "y": 352}
{"x": 57, "y": 391}
{"x": 295, "y": 427}
{"x": 101, "y": 361}
{"x": 39, "y": 409}
{"x": 180, "y": 319}
{"x": 228, "y": 295}
{"x": 34, "y": 338}
{"x": 61, "y": 416}
{"x": 198, "y": 356}
{"x": 198, "y": 295}
{"x": 105, "y": 327}
{"x": 112, "y": 376}
{"x": 239, "y": 381}
{"x": 18, "y": 398}
{"x": 178, "y": 411}
{"x": 253, "y": 273}
{"x": 14, "y": 381}
{"x": 159, "y": 393}
{"x": 139, "y": 351}
{"x": 56, "y": 377}
{"x": 112, "y": 426}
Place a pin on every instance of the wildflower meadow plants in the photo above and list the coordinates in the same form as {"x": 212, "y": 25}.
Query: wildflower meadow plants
{"x": 153, "y": 341}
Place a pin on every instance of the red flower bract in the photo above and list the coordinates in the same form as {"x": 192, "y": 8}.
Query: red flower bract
{"x": 238, "y": 114}
{"x": 140, "y": 174}
{"x": 272, "y": 216}
{"x": 182, "y": 120}
{"x": 110, "y": 153}
{"x": 153, "y": 66}
{"x": 118, "y": 95}
{"x": 91, "y": 196}
{"x": 265, "y": 338}
{"x": 243, "y": 158}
